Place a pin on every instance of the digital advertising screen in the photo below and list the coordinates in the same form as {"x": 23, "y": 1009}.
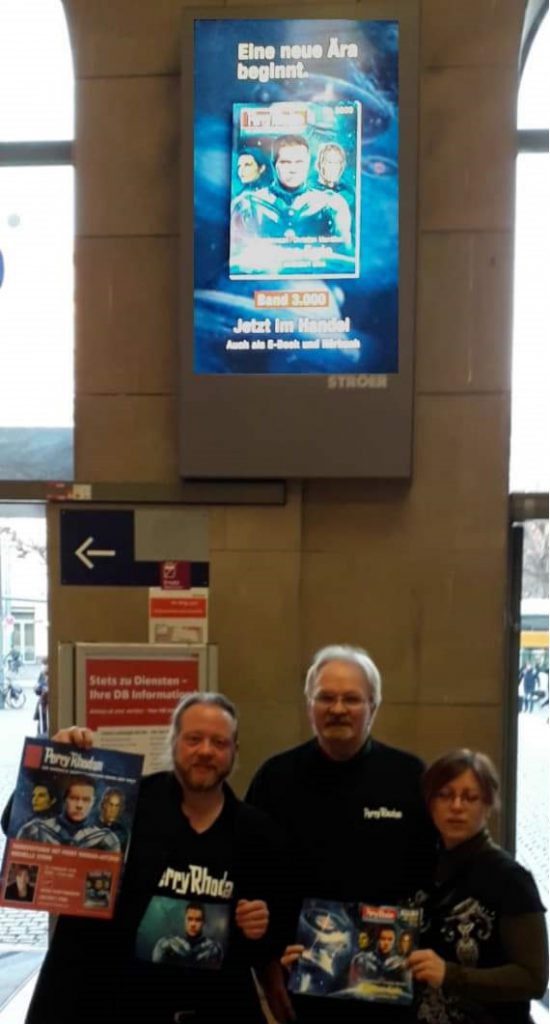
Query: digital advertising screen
{"x": 298, "y": 240}
{"x": 296, "y": 196}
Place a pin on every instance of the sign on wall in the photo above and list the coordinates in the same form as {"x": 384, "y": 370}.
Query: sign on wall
{"x": 126, "y": 694}
{"x": 178, "y": 616}
{"x": 98, "y": 548}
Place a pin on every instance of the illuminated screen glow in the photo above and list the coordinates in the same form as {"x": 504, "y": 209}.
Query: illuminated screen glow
{"x": 296, "y": 196}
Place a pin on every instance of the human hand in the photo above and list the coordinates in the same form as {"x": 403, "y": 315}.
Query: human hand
{"x": 252, "y": 917}
{"x": 291, "y": 955}
{"x": 427, "y": 966}
{"x": 75, "y": 735}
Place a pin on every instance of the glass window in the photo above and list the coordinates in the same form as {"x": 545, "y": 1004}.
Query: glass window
{"x": 530, "y": 469}
{"x": 530, "y": 449}
{"x": 530, "y": 444}
{"x": 36, "y": 242}
{"x": 36, "y": 311}
{"x": 535, "y": 82}
{"x": 36, "y": 73}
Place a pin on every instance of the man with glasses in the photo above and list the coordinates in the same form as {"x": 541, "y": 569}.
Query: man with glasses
{"x": 352, "y": 810}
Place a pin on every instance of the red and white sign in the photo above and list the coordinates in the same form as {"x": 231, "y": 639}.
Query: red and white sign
{"x": 127, "y": 699}
{"x": 136, "y": 691}
{"x": 178, "y": 616}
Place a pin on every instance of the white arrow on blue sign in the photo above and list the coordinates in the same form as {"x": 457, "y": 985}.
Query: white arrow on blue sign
{"x": 85, "y": 553}
{"x": 97, "y": 549}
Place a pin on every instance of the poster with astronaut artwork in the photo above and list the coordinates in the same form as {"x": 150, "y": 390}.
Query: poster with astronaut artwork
{"x": 69, "y": 829}
{"x": 355, "y": 951}
{"x": 312, "y": 228}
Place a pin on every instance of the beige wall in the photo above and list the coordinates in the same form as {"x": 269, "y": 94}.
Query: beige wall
{"x": 415, "y": 573}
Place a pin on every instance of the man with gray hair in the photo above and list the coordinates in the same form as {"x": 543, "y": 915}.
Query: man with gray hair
{"x": 352, "y": 811}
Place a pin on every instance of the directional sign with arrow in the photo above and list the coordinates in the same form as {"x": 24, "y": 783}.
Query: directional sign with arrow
{"x": 97, "y": 549}
{"x": 85, "y": 553}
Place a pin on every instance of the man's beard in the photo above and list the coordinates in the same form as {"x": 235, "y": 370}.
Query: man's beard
{"x": 200, "y": 778}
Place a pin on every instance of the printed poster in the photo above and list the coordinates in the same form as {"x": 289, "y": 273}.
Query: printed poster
{"x": 355, "y": 951}
{"x": 184, "y": 933}
{"x": 127, "y": 696}
{"x": 69, "y": 829}
{"x": 178, "y": 616}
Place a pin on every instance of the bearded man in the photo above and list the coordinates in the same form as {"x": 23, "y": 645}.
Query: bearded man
{"x": 192, "y": 839}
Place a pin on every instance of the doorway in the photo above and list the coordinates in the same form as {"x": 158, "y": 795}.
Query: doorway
{"x": 23, "y": 651}
{"x": 530, "y": 714}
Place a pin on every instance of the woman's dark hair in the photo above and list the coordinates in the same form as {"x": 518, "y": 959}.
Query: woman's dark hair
{"x": 453, "y": 764}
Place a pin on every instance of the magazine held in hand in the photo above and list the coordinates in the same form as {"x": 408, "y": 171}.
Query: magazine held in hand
{"x": 355, "y": 951}
{"x": 69, "y": 828}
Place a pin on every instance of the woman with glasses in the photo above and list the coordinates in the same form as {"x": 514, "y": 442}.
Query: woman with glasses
{"x": 487, "y": 952}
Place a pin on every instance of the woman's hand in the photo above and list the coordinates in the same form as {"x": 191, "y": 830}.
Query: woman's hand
{"x": 291, "y": 955}
{"x": 252, "y": 917}
{"x": 427, "y": 966}
{"x": 77, "y": 736}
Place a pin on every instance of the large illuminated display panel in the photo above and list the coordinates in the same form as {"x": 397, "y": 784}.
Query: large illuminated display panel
{"x": 298, "y": 243}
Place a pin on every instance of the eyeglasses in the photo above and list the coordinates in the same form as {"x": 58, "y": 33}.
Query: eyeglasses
{"x": 448, "y": 796}
{"x": 348, "y": 700}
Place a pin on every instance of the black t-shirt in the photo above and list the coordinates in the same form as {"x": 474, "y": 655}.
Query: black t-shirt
{"x": 477, "y": 884}
{"x": 118, "y": 971}
{"x": 358, "y": 830}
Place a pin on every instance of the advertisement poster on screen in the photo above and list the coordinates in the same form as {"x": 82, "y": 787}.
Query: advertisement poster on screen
{"x": 127, "y": 697}
{"x": 296, "y": 196}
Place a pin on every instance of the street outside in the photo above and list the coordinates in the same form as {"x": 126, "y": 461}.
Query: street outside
{"x": 18, "y": 927}
{"x": 532, "y": 812}
{"x": 533, "y": 795}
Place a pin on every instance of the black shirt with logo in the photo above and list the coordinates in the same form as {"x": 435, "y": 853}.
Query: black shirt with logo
{"x": 358, "y": 830}
{"x": 141, "y": 967}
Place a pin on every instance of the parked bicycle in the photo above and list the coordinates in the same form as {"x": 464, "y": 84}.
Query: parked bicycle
{"x": 11, "y": 694}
